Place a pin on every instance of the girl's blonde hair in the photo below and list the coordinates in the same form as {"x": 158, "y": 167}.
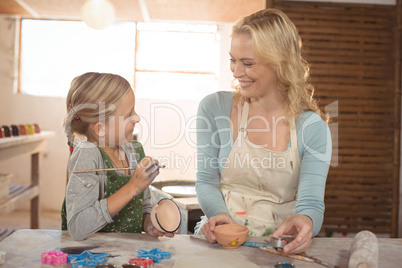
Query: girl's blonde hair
{"x": 277, "y": 43}
{"x": 92, "y": 98}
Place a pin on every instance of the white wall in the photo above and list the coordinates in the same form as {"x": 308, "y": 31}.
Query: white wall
{"x": 172, "y": 125}
{"x": 24, "y": 109}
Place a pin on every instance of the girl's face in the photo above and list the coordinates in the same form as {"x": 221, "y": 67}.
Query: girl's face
{"x": 121, "y": 125}
{"x": 256, "y": 79}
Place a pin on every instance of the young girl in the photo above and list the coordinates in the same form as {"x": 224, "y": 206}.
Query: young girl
{"x": 100, "y": 107}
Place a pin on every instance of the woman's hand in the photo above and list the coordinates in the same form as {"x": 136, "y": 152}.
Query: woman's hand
{"x": 150, "y": 229}
{"x": 209, "y": 226}
{"x": 300, "y": 227}
{"x": 144, "y": 174}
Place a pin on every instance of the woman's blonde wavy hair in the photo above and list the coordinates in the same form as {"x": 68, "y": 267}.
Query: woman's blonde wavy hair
{"x": 92, "y": 98}
{"x": 277, "y": 43}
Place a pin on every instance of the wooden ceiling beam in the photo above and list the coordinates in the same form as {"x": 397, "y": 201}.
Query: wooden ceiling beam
{"x": 144, "y": 10}
{"x": 29, "y": 9}
{"x": 139, "y": 10}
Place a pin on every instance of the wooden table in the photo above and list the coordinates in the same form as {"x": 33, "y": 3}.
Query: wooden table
{"x": 12, "y": 147}
{"x": 23, "y": 249}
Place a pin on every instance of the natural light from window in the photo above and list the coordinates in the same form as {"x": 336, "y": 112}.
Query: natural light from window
{"x": 171, "y": 60}
{"x": 54, "y": 52}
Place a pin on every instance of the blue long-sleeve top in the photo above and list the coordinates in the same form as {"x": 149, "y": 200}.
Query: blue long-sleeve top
{"x": 215, "y": 141}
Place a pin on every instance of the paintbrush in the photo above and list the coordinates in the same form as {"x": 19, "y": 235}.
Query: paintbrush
{"x": 107, "y": 169}
{"x": 301, "y": 257}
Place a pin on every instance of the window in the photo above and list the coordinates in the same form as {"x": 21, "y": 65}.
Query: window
{"x": 54, "y": 52}
{"x": 167, "y": 61}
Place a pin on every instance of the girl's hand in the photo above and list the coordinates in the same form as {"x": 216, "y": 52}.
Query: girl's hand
{"x": 209, "y": 226}
{"x": 300, "y": 227}
{"x": 144, "y": 174}
{"x": 151, "y": 230}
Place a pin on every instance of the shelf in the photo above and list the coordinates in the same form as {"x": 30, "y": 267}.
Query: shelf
{"x": 18, "y": 195}
{"x": 12, "y": 147}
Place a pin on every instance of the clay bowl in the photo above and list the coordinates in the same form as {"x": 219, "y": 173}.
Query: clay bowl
{"x": 231, "y": 235}
{"x": 165, "y": 216}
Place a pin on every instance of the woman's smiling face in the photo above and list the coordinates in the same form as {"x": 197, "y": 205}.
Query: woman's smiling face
{"x": 256, "y": 79}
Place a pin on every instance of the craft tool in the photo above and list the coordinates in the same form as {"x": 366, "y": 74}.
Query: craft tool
{"x": 79, "y": 250}
{"x": 143, "y": 262}
{"x": 76, "y": 250}
{"x": 107, "y": 169}
{"x": 86, "y": 258}
{"x": 131, "y": 265}
{"x": 278, "y": 243}
{"x": 300, "y": 256}
{"x": 256, "y": 244}
{"x": 105, "y": 265}
{"x": 284, "y": 265}
{"x": 364, "y": 250}
{"x": 155, "y": 254}
{"x": 54, "y": 257}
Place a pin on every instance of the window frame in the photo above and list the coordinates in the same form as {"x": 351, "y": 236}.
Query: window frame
{"x": 136, "y": 46}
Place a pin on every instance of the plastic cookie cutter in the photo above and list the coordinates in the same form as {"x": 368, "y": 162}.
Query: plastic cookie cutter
{"x": 155, "y": 254}
{"x": 86, "y": 258}
{"x": 143, "y": 262}
{"x": 54, "y": 257}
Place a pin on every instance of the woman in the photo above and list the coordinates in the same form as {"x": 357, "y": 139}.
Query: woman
{"x": 263, "y": 152}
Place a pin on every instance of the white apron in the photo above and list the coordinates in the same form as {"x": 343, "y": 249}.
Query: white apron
{"x": 260, "y": 186}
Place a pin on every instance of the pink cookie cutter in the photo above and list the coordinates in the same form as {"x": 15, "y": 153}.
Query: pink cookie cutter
{"x": 54, "y": 257}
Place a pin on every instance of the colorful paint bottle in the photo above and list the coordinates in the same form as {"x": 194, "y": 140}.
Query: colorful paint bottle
{"x": 23, "y": 130}
{"x": 7, "y": 131}
{"x": 15, "y": 131}
{"x": 1, "y": 132}
{"x": 30, "y": 129}
{"x": 37, "y": 128}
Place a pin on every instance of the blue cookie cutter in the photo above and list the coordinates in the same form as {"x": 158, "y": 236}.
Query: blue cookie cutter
{"x": 155, "y": 254}
{"x": 87, "y": 259}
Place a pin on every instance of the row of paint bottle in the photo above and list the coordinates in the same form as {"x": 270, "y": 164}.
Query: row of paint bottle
{"x": 20, "y": 130}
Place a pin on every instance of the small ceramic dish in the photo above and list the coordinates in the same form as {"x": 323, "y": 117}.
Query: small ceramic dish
{"x": 231, "y": 236}
{"x": 165, "y": 216}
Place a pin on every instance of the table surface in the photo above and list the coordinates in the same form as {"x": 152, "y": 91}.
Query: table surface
{"x": 23, "y": 249}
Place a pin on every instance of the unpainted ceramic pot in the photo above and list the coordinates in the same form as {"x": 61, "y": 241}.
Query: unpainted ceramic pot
{"x": 165, "y": 216}
{"x": 231, "y": 236}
